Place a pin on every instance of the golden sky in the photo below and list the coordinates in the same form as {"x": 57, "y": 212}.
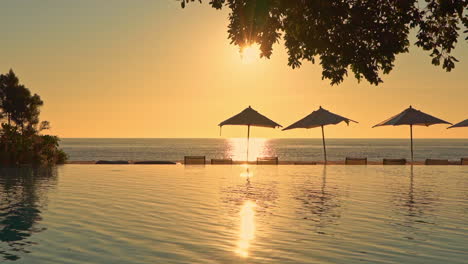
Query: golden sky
{"x": 151, "y": 69}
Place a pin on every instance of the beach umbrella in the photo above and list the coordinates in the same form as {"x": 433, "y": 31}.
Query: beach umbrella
{"x": 249, "y": 117}
{"x": 320, "y": 118}
{"x": 412, "y": 117}
{"x": 463, "y": 123}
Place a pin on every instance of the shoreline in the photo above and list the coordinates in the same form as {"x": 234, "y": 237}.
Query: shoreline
{"x": 451, "y": 162}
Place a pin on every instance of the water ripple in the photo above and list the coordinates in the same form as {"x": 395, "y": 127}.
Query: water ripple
{"x": 234, "y": 214}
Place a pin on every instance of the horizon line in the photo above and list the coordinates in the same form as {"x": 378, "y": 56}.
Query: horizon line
{"x": 244, "y": 137}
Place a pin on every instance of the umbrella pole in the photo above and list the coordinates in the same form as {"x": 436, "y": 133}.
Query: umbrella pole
{"x": 324, "y": 148}
{"x": 411, "y": 135}
{"x": 248, "y": 140}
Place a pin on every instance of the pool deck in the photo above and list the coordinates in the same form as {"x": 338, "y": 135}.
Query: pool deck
{"x": 452, "y": 162}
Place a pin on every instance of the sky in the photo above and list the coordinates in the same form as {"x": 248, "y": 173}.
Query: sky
{"x": 140, "y": 68}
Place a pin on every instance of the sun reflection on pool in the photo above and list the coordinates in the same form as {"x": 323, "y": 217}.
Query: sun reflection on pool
{"x": 247, "y": 228}
{"x": 246, "y": 173}
{"x": 237, "y": 148}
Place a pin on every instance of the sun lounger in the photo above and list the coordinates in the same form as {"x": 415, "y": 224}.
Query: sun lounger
{"x": 112, "y": 162}
{"x": 436, "y": 162}
{"x": 194, "y": 160}
{"x": 464, "y": 161}
{"x": 154, "y": 162}
{"x": 355, "y": 161}
{"x": 305, "y": 163}
{"x": 221, "y": 161}
{"x": 394, "y": 161}
{"x": 267, "y": 161}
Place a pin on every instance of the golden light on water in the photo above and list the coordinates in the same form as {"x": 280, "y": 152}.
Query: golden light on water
{"x": 237, "y": 148}
{"x": 247, "y": 173}
{"x": 250, "y": 54}
{"x": 247, "y": 228}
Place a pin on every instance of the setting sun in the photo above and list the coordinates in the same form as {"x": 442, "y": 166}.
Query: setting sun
{"x": 250, "y": 54}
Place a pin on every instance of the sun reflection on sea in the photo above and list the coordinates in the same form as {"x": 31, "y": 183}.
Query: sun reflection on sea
{"x": 247, "y": 228}
{"x": 237, "y": 148}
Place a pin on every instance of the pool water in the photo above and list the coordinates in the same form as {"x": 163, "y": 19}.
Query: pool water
{"x": 234, "y": 214}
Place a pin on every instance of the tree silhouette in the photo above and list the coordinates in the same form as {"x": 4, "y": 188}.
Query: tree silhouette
{"x": 20, "y": 138}
{"x": 23, "y": 194}
{"x": 363, "y": 36}
{"x": 17, "y": 103}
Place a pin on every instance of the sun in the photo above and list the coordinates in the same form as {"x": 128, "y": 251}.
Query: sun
{"x": 250, "y": 54}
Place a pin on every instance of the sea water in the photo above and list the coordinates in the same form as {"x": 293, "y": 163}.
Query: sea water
{"x": 285, "y": 149}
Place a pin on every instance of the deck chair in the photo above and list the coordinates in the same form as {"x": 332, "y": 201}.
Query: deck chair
{"x": 267, "y": 161}
{"x": 112, "y": 162}
{"x": 394, "y": 161}
{"x": 194, "y": 160}
{"x": 305, "y": 163}
{"x": 355, "y": 161}
{"x": 436, "y": 162}
{"x": 464, "y": 161}
{"x": 150, "y": 162}
{"x": 221, "y": 161}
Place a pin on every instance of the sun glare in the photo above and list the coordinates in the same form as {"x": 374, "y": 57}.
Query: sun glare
{"x": 247, "y": 173}
{"x": 247, "y": 228}
{"x": 237, "y": 148}
{"x": 250, "y": 54}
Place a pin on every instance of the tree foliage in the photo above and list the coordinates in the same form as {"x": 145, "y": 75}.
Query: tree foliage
{"x": 17, "y": 103}
{"x": 20, "y": 141}
{"x": 361, "y": 36}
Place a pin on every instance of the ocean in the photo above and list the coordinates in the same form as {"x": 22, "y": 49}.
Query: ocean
{"x": 174, "y": 149}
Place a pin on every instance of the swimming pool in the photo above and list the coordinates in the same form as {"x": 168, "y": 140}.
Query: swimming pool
{"x": 234, "y": 214}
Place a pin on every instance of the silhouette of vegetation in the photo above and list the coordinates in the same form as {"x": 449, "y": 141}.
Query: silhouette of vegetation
{"x": 362, "y": 36}
{"x": 20, "y": 139}
{"x": 23, "y": 194}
